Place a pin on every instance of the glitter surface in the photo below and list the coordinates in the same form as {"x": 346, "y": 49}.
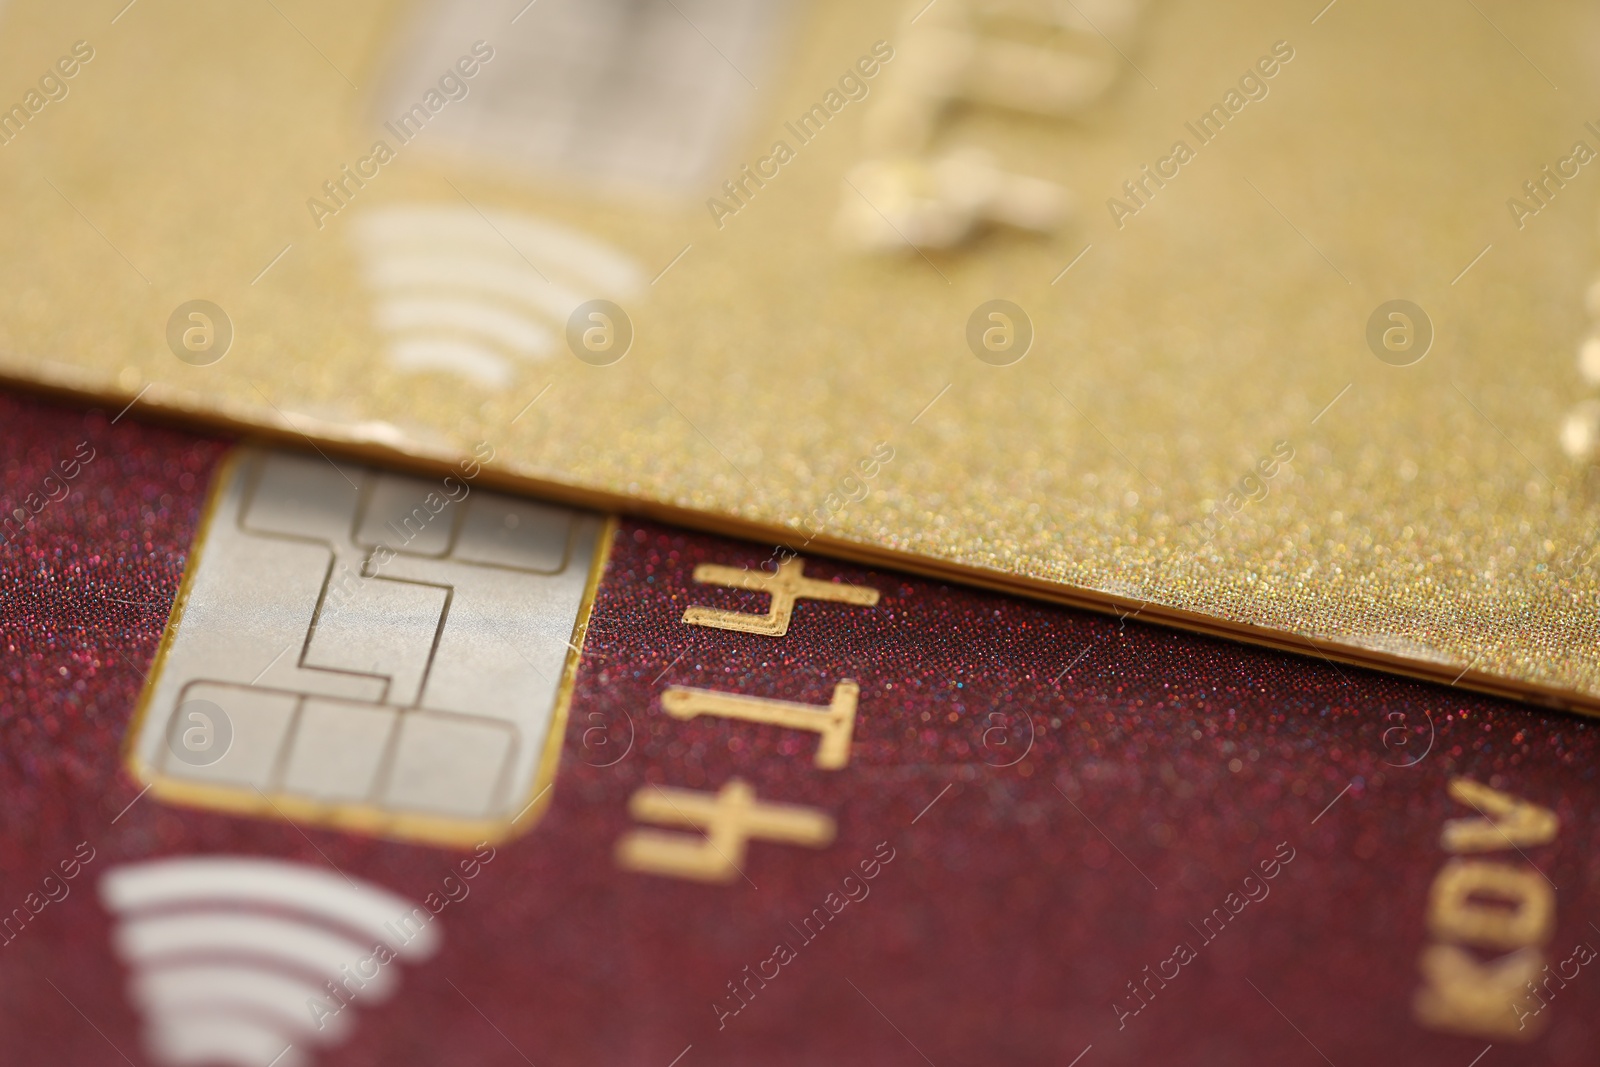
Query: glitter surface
{"x": 1064, "y": 795}
{"x": 1429, "y": 521}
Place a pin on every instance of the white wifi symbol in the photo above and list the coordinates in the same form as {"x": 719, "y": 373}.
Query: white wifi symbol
{"x": 474, "y": 293}
{"x": 231, "y": 955}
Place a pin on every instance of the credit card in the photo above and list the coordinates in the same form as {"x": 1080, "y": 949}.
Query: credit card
{"x": 1261, "y": 320}
{"x": 722, "y": 805}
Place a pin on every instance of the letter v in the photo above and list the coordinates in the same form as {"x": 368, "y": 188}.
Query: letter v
{"x": 1505, "y": 821}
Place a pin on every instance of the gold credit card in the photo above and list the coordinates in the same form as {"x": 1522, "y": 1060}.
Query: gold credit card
{"x": 1265, "y": 320}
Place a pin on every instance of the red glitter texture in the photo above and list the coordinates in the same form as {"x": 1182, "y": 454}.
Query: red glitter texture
{"x": 1026, "y": 890}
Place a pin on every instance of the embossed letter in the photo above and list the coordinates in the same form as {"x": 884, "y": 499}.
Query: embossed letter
{"x": 1506, "y": 822}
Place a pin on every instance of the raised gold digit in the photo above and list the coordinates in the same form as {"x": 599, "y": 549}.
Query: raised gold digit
{"x": 785, "y": 587}
{"x": 730, "y": 817}
{"x": 836, "y": 722}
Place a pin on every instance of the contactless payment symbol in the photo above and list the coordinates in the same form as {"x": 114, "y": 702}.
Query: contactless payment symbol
{"x": 247, "y": 960}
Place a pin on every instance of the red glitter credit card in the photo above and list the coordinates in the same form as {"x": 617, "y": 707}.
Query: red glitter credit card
{"x": 306, "y": 762}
